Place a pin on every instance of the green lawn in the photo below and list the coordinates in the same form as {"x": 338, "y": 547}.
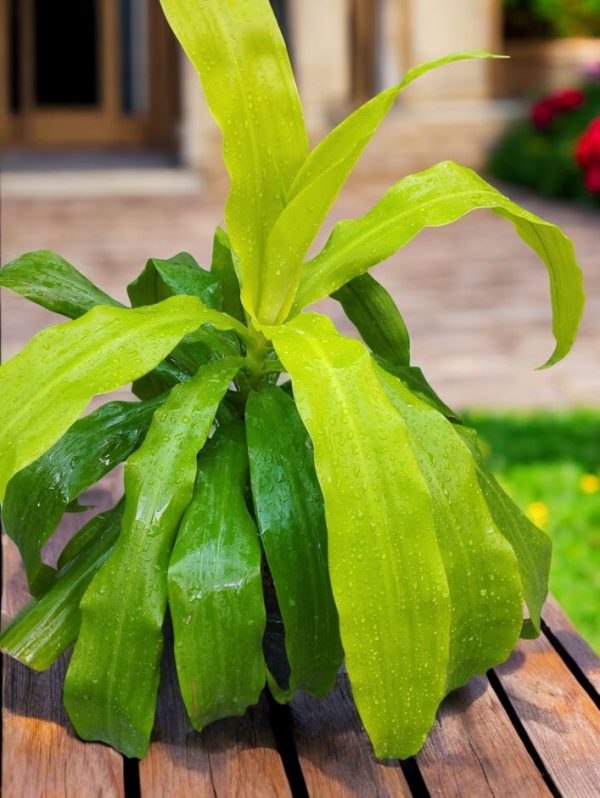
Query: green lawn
{"x": 550, "y": 464}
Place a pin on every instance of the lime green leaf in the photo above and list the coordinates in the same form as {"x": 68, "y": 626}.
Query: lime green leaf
{"x": 373, "y": 312}
{"x": 315, "y": 188}
{"x": 243, "y": 64}
{"x": 37, "y": 496}
{"x": 50, "y": 281}
{"x": 49, "y": 383}
{"x": 215, "y": 588}
{"x": 481, "y": 568}
{"x": 174, "y": 276}
{"x": 387, "y": 572}
{"x": 112, "y": 681}
{"x": 438, "y": 196}
{"x": 291, "y": 520}
{"x": 46, "y": 627}
{"x": 223, "y": 266}
{"x": 532, "y": 546}
{"x": 344, "y": 145}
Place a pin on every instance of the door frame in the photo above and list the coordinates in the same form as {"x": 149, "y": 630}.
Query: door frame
{"x": 106, "y": 124}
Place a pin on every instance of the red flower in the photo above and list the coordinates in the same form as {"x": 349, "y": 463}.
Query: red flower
{"x": 542, "y": 114}
{"x": 587, "y": 155}
{"x": 592, "y": 178}
{"x": 587, "y": 151}
{"x": 561, "y": 102}
{"x": 567, "y": 100}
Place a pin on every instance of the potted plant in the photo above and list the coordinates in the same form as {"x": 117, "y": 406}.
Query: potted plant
{"x": 351, "y": 487}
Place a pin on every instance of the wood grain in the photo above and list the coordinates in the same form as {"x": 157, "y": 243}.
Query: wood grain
{"x": 41, "y": 757}
{"x": 334, "y": 752}
{"x": 234, "y": 757}
{"x": 564, "y": 631}
{"x": 558, "y": 716}
{"x": 473, "y": 749}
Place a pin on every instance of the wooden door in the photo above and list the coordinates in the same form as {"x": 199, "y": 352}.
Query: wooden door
{"x": 86, "y": 73}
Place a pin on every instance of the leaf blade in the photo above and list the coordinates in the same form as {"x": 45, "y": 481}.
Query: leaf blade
{"x": 47, "y": 626}
{"x": 316, "y": 187}
{"x": 46, "y": 278}
{"x": 102, "y": 350}
{"x": 110, "y": 691}
{"x": 239, "y": 53}
{"x": 480, "y": 565}
{"x": 365, "y": 464}
{"x": 38, "y": 495}
{"x": 432, "y": 198}
{"x": 215, "y": 588}
{"x": 290, "y": 515}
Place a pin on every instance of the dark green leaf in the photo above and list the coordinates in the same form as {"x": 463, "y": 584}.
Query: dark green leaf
{"x": 49, "y": 280}
{"x": 112, "y": 681}
{"x": 37, "y": 496}
{"x": 180, "y": 274}
{"x": 215, "y": 588}
{"x": 291, "y": 519}
{"x": 374, "y": 314}
{"x": 414, "y": 379}
{"x": 46, "y": 627}
{"x": 223, "y": 266}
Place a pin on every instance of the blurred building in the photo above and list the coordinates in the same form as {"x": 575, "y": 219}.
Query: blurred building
{"x": 83, "y": 76}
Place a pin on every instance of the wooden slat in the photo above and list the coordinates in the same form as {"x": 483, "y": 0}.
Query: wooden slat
{"x": 41, "y": 757}
{"x": 334, "y": 753}
{"x": 559, "y": 717}
{"x": 234, "y": 757}
{"x": 473, "y": 749}
{"x": 564, "y": 631}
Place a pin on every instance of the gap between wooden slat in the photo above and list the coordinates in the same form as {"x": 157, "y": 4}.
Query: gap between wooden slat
{"x": 414, "y": 777}
{"x": 521, "y": 731}
{"x": 571, "y": 664}
{"x": 131, "y": 778}
{"x": 281, "y": 725}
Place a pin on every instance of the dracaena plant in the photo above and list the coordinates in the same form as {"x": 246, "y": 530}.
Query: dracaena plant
{"x": 294, "y": 497}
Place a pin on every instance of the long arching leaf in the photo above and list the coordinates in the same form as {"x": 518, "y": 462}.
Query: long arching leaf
{"x": 481, "y": 568}
{"x": 112, "y": 681}
{"x": 532, "y": 545}
{"x": 386, "y": 568}
{"x": 47, "y": 626}
{"x": 291, "y": 520}
{"x": 47, "y": 386}
{"x": 37, "y": 496}
{"x": 316, "y": 187}
{"x": 215, "y": 588}
{"x": 243, "y": 64}
{"x": 435, "y": 197}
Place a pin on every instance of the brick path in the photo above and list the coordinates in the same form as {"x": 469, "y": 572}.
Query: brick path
{"x": 475, "y": 299}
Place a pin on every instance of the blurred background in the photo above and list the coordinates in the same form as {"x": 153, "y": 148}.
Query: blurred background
{"x": 109, "y": 156}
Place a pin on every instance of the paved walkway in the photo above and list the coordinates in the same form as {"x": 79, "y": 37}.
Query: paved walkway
{"x": 475, "y": 299}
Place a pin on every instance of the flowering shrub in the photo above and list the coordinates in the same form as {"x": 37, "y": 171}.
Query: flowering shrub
{"x": 556, "y": 151}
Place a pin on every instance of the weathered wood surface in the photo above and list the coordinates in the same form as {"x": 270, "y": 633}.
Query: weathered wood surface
{"x": 530, "y": 728}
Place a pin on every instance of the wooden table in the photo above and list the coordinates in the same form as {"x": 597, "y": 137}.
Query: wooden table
{"x": 528, "y": 728}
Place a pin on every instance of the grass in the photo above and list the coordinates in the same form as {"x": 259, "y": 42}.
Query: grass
{"x": 550, "y": 464}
